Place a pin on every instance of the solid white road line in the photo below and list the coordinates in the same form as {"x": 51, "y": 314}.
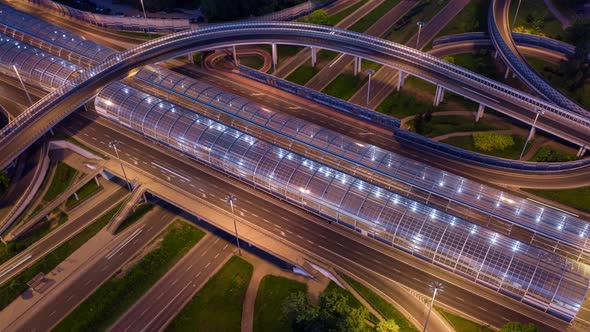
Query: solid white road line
{"x": 120, "y": 246}
{"x": 17, "y": 264}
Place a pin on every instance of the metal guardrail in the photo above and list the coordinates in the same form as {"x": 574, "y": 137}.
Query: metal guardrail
{"x": 116, "y": 22}
{"x": 266, "y": 32}
{"x": 524, "y": 71}
{"x": 361, "y": 113}
{"x": 404, "y": 136}
{"x": 20, "y": 230}
{"x": 519, "y": 38}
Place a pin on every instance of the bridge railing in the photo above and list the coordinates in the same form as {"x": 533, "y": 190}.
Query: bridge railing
{"x": 526, "y": 72}
{"x": 362, "y": 113}
{"x": 316, "y": 34}
{"x": 419, "y": 141}
{"x": 116, "y": 22}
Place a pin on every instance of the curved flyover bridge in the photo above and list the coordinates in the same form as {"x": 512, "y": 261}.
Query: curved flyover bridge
{"x": 48, "y": 111}
{"x": 501, "y": 35}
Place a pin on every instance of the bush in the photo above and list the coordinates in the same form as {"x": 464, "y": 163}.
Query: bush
{"x": 548, "y": 155}
{"x": 492, "y": 141}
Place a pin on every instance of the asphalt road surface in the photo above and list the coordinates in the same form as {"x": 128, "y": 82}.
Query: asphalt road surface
{"x": 329, "y": 241}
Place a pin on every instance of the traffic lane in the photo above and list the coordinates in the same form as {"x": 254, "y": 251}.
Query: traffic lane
{"x": 114, "y": 255}
{"x": 167, "y": 298}
{"x": 58, "y": 236}
{"x": 292, "y": 226}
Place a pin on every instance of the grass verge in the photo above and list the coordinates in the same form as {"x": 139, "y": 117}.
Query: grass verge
{"x": 218, "y": 305}
{"x": 7, "y": 251}
{"x": 272, "y": 292}
{"x": 12, "y": 289}
{"x": 336, "y": 18}
{"x": 115, "y": 296}
{"x": 139, "y": 212}
{"x": 473, "y": 17}
{"x": 445, "y": 124}
{"x": 83, "y": 193}
{"x": 63, "y": 177}
{"x": 534, "y": 17}
{"x": 373, "y": 16}
{"x": 386, "y": 309}
{"x": 461, "y": 324}
{"x": 576, "y": 198}
{"x": 305, "y": 72}
{"x": 512, "y": 152}
{"x": 252, "y": 61}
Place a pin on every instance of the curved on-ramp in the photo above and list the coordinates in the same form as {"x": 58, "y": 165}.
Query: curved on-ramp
{"x": 501, "y": 35}
{"x": 51, "y": 109}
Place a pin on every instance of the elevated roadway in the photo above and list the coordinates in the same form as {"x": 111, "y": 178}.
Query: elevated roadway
{"x": 501, "y": 35}
{"x": 47, "y": 112}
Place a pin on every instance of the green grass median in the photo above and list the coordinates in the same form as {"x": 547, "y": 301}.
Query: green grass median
{"x": 336, "y": 18}
{"x": 139, "y": 212}
{"x": 462, "y": 324}
{"x": 373, "y": 16}
{"x": 272, "y": 292}
{"x": 10, "y": 290}
{"x": 84, "y": 193}
{"x": 63, "y": 177}
{"x": 218, "y": 305}
{"x": 116, "y": 295}
{"x": 386, "y": 309}
{"x": 445, "y": 124}
{"x": 577, "y": 198}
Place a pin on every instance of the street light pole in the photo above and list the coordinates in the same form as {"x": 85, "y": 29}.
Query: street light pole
{"x": 420, "y": 25}
{"x": 231, "y": 199}
{"x": 516, "y": 14}
{"x": 435, "y": 287}
{"x": 114, "y": 144}
{"x": 146, "y": 20}
{"x": 530, "y": 133}
{"x": 23, "y": 85}
{"x": 369, "y": 72}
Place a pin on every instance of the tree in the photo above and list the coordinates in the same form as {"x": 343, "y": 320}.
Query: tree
{"x": 387, "y": 326}
{"x": 319, "y": 16}
{"x": 428, "y": 115}
{"x": 520, "y": 327}
{"x": 449, "y": 59}
{"x": 331, "y": 314}
{"x": 419, "y": 123}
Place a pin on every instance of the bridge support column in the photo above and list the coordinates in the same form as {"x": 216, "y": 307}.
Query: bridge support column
{"x": 507, "y": 72}
{"x": 581, "y": 152}
{"x": 480, "y": 111}
{"x": 496, "y": 54}
{"x": 314, "y": 54}
{"x": 144, "y": 197}
{"x": 401, "y": 78}
{"x": 96, "y": 180}
{"x": 355, "y": 65}
{"x": 76, "y": 196}
{"x": 235, "y": 55}
{"x": 191, "y": 59}
{"x": 438, "y": 96}
{"x": 274, "y": 57}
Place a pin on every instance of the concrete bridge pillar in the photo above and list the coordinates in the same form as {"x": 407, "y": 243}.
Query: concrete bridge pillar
{"x": 191, "y": 59}
{"x": 76, "y": 196}
{"x": 507, "y": 72}
{"x": 438, "y": 96}
{"x": 581, "y": 151}
{"x": 314, "y": 54}
{"x": 355, "y": 65}
{"x": 496, "y": 54}
{"x": 274, "y": 57}
{"x": 480, "y": 111}
{"x": 235, "y": 54}
{"x": 401, "y": 78}
{"x": 96, "y": 180}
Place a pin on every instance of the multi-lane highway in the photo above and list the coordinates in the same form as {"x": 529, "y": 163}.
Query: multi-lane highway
{"x": 312, "y": 236}
{"x": 169, "y": 295}
{"x": 58, "y": 302}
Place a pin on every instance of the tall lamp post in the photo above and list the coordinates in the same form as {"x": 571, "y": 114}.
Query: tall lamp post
{"x": 231, "y": 199}
{"x": 114, "y": 144}
{"x": 146, "y": 20}
{"x": 539, "y": 112}
{"x": 435, "y": 287}
{"x": 23, "y": 85}
{"x": 420, "y": 24}
{"x": 516, "y": 14}
{"x": 369, "y": 72}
